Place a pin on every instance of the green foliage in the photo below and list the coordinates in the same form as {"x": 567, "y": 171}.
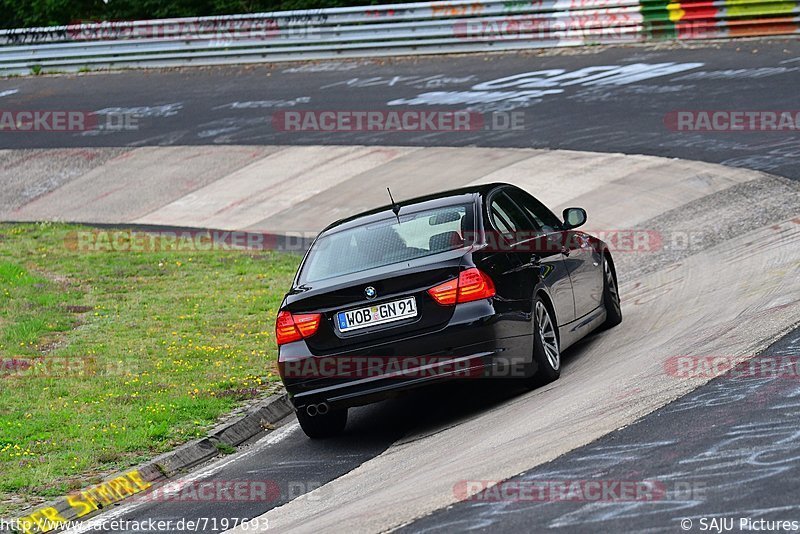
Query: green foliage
{"x": 109, "y": 357}
{"x": 33, "y": 13}
{"x": 224, "y": 448}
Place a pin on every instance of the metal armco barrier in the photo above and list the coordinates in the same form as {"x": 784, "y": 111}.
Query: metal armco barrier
{"x": 386, "y": 30}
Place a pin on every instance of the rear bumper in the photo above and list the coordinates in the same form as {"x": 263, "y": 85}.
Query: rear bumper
{"x": 368, "y": 389}
{"x": 474, "y": 344}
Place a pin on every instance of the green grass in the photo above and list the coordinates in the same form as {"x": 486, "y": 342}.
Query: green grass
{"x": 130, "y": 354}
{"x": 224, "y": 448}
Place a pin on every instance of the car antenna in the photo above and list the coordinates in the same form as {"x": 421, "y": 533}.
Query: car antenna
{"x": 395, "y": 206}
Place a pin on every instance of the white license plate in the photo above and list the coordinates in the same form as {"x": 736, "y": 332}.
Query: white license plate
{"x": 378, "y": 314}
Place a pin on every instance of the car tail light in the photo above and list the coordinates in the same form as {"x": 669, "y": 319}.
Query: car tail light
{"x": 471, "y": 284}
{"x": 289, "y": 328}
{"x": 445, "y": 294}
{"x": 474, "y": 285}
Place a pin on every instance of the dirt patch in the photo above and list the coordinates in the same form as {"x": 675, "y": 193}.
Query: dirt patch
{"x": 78, "y": 309}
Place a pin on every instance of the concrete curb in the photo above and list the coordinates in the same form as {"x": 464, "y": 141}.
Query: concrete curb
{"x": 89, "y": 502}
{"x": 257, "y": 419}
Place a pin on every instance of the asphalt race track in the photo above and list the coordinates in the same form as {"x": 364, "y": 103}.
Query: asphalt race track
{"x": 742, "y": 466}
{"x": 213, "y": 106}
{"x": 720, "y": 275}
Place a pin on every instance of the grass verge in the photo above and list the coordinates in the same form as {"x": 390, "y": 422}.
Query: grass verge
{"x": 108, "y": 358}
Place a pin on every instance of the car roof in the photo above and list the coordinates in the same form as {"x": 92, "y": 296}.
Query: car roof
{"x": 443, "y": 198}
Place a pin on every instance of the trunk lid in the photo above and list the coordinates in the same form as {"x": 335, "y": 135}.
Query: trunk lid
{"x": 392, "y": 283}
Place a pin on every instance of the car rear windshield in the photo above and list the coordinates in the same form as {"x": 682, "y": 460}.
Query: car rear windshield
{"x": 416, "y": 235}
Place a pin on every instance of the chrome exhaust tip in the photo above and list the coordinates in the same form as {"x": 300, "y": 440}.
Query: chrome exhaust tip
{"x": 311, "y": 410}
{"x": 322, "y": 408}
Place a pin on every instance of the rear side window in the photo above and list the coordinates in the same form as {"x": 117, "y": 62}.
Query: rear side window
{"x": 507, "y": 218}
{"x": 538, "y": 212}
{"x": 417, "y": 235}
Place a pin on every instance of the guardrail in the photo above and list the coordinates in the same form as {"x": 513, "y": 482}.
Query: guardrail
{"x": 386, "y": 30}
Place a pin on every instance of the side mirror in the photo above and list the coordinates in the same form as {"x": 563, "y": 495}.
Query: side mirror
{"x": 574, "y": 217}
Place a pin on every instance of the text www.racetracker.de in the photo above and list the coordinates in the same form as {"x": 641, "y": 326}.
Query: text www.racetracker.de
{"x": 200, "y": 524}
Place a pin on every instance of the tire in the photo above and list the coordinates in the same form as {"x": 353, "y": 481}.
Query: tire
{"x": 546, "y": 348}
{"x": 323, "y": 426}
{"x": 610, "y": 296}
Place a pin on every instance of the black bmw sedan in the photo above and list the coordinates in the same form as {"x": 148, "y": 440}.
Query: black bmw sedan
{"x": 477, "y": 282}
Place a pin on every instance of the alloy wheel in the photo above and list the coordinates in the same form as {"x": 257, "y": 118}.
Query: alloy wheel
{"x": 547, "y": 334}
{"x": 611, "y": 284}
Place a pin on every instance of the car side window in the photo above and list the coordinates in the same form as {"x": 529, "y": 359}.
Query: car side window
{"x": 506, "y": 217}
{"x": 546, "y": 221}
